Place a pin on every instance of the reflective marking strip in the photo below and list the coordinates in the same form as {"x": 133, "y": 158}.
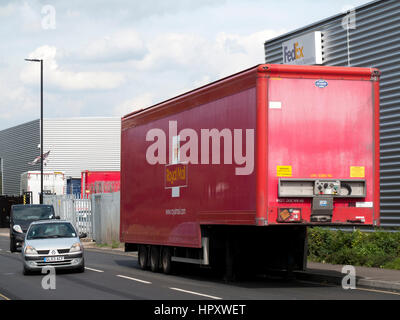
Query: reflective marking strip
{"x": 4, "y": 297}
{"x": 198, "y": 294}
{"x": 275, "y": 105}
{"x": 134, "y": 279}
{"x": 95, "y": 270}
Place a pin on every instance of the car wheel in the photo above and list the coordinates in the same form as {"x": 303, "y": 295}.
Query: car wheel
{"x": 13, "y": 245}
{"x": 81, "y": 268}
{"x": 26, "y": 271}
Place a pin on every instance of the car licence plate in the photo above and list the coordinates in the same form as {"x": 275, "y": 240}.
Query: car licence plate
{"x": 53, "y": 259}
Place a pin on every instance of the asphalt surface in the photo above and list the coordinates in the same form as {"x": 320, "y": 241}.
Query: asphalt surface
{"x": 117, "y": 276}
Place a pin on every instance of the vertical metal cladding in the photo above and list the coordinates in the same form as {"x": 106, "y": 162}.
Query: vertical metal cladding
{"x": 75, "y": 144}
{"x": 18, "y": 146}
{"x": 78, "y": 144}
{"x": 375, "y": 42}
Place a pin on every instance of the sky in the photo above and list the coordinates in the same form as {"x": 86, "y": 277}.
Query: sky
{"x": 108, "y": 58}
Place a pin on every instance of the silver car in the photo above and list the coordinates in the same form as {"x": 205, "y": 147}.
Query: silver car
{"x": 52, "y": 243}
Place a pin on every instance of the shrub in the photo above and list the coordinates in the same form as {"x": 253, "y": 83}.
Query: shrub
{"x": 374, "y": 249}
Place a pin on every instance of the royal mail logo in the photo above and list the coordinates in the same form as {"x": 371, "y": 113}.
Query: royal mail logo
{"x": 294, "y": 53}
{"x": 176, "y": 175}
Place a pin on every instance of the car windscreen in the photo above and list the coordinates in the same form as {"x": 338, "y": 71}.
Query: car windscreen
{"x": 28, "y": 213}
{"x": 51, "y": 230}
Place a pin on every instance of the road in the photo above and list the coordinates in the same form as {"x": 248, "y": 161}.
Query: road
{"x": 117, "y": 276}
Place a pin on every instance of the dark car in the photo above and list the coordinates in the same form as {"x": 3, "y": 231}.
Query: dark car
{"x": 21, "y": 217}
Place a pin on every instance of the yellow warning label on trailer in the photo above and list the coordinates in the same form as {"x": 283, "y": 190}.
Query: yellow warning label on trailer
{"x": 357, "y": 172}
{"x": 284, "y": 171}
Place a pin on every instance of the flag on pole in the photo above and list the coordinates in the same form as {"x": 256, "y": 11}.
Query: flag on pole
{"x": 37, "y": 159}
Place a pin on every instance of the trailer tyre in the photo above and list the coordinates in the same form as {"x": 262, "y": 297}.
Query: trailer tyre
{"x": 154, "y": 258}
{"x": 143, "y": 257}
{"x": 166, "y": 260}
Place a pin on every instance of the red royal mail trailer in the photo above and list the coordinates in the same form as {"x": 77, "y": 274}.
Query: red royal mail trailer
{"x": 232, "y": 173}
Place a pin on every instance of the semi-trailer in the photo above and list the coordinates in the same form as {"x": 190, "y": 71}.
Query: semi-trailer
{"x": 93, "y": 182}
{"x": 231, "y": 174}
{"x": 30, "y": 184}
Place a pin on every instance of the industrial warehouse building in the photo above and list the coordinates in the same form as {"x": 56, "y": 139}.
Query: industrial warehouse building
{"x": 367, "y": 36}
{"x": 75, "y": 145}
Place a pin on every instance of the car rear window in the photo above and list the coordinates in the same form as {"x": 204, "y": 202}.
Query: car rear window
{"x": 28, "y": 213}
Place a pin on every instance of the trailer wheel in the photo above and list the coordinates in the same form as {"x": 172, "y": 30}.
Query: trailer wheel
{"x": 143, "y": 257}
{"x": 166, "y": 260}
{"x": 154, "y": 258}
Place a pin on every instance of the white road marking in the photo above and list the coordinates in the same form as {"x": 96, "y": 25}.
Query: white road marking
{"x": 4, "y": 297}
{"x": 95, "y": 270}
{"x": 357, "y": 288}
{"x": 198, "y": 294}
{"x": 134, "y": 279}
{"x": 378, "y": 291}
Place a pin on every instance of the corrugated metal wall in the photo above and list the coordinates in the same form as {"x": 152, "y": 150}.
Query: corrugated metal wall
{"x": 78, "y": 144}
{"x": 375, "y": 42}
{"x": 75, "y": 144}
{"x": 18, "y": 146}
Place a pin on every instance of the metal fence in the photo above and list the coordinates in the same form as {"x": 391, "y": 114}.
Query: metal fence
{"x": 77, "y": 211}
{"x": 106, "y": 217}
{"x": 98, "y": 216}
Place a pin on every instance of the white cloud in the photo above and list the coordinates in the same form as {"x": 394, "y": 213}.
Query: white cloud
{"x": 185, "y": 61}
{"x": 226, "y": 53}
{"x": 15, "y": 101}
{"x": 7, "y": 10}
{"x": 30, "y": 17}
{"x": 139, "y": 102}
{"x": 110, "y": 57}
{"x": 119, "y": 46}
{"x": 180, "y": 62}
{"x": 58, "y": 78}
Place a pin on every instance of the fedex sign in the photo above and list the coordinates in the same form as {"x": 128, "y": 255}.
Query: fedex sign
{"x": 303, "y": 50}
{"x": 293, "y": 54}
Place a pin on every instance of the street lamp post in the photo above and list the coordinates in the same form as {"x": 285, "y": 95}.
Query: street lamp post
{"x": 41, "y": 126}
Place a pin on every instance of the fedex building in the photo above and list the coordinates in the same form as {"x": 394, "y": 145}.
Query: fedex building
{"x": 366, "y": 36}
